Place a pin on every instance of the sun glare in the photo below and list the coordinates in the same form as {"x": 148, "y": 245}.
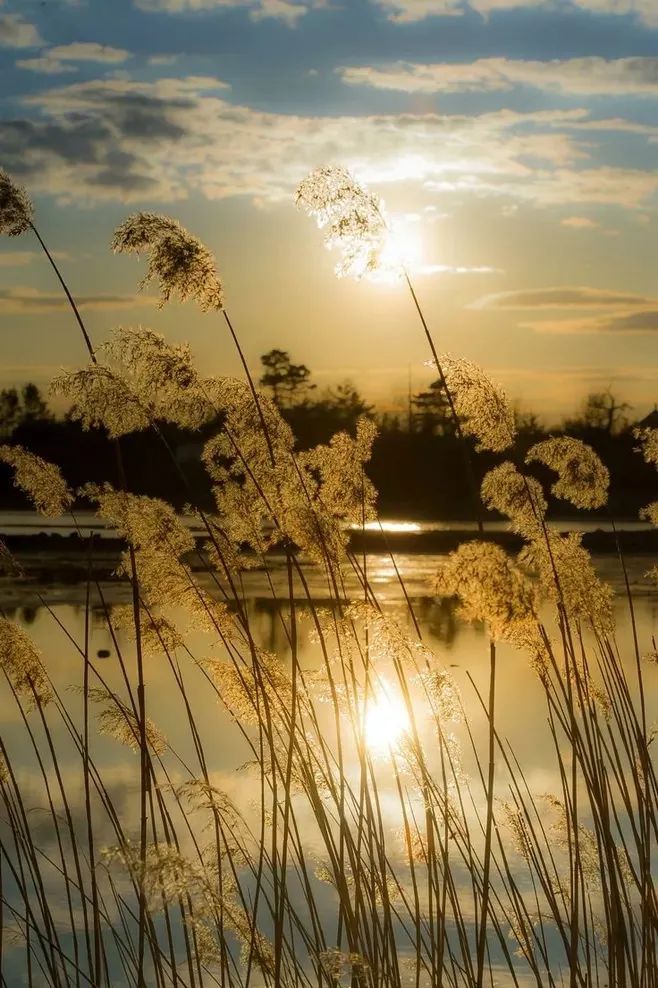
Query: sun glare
{"x": 386, "y": 719}
{"x": 403, "y": 250}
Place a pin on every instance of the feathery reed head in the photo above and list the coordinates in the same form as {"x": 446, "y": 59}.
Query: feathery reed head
{"x": 179, "y": 261}
{"x": 480, "y": 404}
{"x": 100, "y": 397}
{"x": 16, "y": 209}
{"x": 117, "y": 720}
{"x": 567, "y": 576}
{"x": 490, "y": 588}
{"x": 650, "y": 513}
{"x": 648, "y": 439}
{"x": 22, "y": 665}
{"x": 518, "y": 497}
{"x": 41, "y": 481}
{"x": 583, "y": 479}
{"x": 149, "y": 379}
{"x": 353, "y": 220}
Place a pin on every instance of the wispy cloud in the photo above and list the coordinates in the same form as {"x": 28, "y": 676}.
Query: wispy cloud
{"x": 45, "y": 65}
{"x": 429, "y": 269}
{"x": 288, "y": 11}
{"x": 57, "y": 59}
{"x": 579, "y": 223}
{"x": 16, "y": 258}
{"x": 122, "y": 139}
{"x": 89, "y": 51}
{"x": 608, "y": 311}
{"x": 562, "y": 297}
{"x": 16, "y": 32}
{"x": 639, "y": 322}
{"x": 588, "y": 76}
{"x": 30, "y": 301}
{"x": 162, "y": 59}
{"x": 415, "y": 10}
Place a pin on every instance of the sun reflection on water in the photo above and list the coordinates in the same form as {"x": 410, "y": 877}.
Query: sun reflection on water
{"x": 386, "y": 719}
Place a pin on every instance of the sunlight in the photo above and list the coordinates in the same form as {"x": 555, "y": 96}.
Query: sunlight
{"x": 386, "y": 719}
{"x": 386, "y": 526}
{"x": 403, "y": 250}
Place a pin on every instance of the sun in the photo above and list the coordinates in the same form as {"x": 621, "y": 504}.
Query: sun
{"x": 403, "y": 251}
{"x": 386, "y": 719}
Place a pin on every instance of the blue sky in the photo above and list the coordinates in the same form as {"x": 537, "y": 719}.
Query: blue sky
{"x": 515, "y": 144}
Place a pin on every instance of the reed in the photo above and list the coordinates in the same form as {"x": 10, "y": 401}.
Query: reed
{"x": 381, "y": 841}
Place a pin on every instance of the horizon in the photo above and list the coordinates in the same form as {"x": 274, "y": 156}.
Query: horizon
{"x": 512, "y": 142}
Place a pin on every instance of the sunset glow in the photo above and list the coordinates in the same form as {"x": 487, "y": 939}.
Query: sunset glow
{"x": 328, "y": 424}
{"x": 386, "y": 718}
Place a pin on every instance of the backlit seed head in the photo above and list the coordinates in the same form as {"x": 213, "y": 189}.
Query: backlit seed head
{"x": 182, "y": 265}
{"x": 582, "y": 478}
{"x": 16, "y": 209}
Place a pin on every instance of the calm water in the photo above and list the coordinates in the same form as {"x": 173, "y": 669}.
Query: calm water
{"x": 27, "y": 522}
{"x": 462, "y": 649}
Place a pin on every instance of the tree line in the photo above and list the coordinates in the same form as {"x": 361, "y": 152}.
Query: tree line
{"x": 417, "y": 464}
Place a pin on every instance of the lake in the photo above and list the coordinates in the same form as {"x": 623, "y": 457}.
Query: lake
{"x": 54, "y": 615}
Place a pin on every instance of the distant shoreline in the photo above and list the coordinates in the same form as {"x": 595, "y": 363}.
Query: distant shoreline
{"x": 41, "y": 556}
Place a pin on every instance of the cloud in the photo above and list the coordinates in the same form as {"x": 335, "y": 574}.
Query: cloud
{"x": 45, "y": 65}
{"x": 288, "y": 11}
{"x": 588, "y": 76}
{"x": 119, "y": 139}
{"x": 89, "y": 51}
{"x": 563, "y": 297}
{"x": 415, "y": 10}
{"x": 16, "y": 258}
{"x": 29, "y": 301}
{"x": 427, "y": 269}
{"x": 54, "y": 61}
{"x": 605, "y": 185}
{"x": 282, "y": 10}
{"x": 15, "y": 32}
{"x": 579, "y": 223}
{"x": 162, "y": 59}
{"x": 631, "y": 322}
{"x": 619, "y": 312}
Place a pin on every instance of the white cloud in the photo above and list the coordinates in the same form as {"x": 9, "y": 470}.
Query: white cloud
{"x": 589, "y": 76}
{"x": 45, "y": 65}
{"x": 54, "y": 61}
{"x": 282, "y": 10}
{"x": 88, "y": 51}
{"x": 428, "y": 269}
{"x": 15, "y": 32}
{"x": 115, "y": 139}
{"x": 416, "y": 10}
{"x": 162, "y": 59}
{"x": 288, "y": 11}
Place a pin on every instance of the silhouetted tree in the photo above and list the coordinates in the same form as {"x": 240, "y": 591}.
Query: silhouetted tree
{"x": 289, "y": 382}
{"x": 10, "y": 408}
{"x": 601, "y": 411}
{"x": 33, "y": 404}
{"x": 431, "y": 412}
{"x": 346, "y": 404}
{"x": 17, "y": 409}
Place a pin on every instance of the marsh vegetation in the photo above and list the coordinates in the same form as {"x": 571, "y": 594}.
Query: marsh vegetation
{"x": 390, "y": 834}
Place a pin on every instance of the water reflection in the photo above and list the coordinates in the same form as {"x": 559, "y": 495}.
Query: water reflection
{"x": 521, "y": 711}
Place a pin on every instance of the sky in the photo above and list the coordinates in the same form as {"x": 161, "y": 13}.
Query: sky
{"x": 514, "y": 143}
